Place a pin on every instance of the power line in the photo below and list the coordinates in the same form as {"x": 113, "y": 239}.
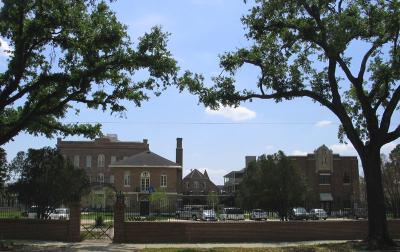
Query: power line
{"x": 196, "y": 123}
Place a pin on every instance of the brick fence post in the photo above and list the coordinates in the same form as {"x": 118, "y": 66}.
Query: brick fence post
{"x": 74, "y": 223}
{"x": 119, "y": 218}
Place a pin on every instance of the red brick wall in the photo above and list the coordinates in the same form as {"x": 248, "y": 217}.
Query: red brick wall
{"x": 55, "y": 230}
{"x": 157, "y": 232}
{"x": 51, "y": 230}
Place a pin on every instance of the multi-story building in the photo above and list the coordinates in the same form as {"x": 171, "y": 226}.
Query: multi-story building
{"x": 197, "y": 188}
{"x": 333, "y": 179}
{"x": 129, "y": 167}
{"x": 233, "y": 179}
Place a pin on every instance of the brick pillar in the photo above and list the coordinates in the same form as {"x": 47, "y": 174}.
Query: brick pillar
{"x": 74, "y": 223}
{"x": 119, "y": 218}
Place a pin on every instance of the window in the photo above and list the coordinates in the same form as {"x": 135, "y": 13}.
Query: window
{"x": 163, "y": 182}
{"x": 127, "y": 179}
{"x": 113, "y": 159}
{"x": 196, "y": 185}
{"x": 76, "y": 161}
{"x": 324, "y": 179}
{"x": 187, "y": 184}
{"x": 144, "y": 181}
{"x": 88, "y": 161}
{"x": 100, "y": 160}
{"x": 112, "y": 179}
{"x": 204, "y": 185}
{"x": 346, "y": 178}
{"x": 100, "y": 178}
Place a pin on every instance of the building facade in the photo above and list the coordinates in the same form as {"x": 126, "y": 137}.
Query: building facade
{"x": 122, "y": 166}
{"x": 198, "y": 189}
{"x": 333, "y": 180}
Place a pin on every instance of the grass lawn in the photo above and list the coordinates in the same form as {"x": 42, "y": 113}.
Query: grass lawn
{"x": 10, "y": 214}
{"x": 332, "y": 247}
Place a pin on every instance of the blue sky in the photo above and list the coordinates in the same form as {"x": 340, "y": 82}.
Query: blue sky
{"x": 200, "y": 31}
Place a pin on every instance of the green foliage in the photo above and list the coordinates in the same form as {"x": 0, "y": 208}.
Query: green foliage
{"x": 272, "y": 183}
{"x": 47, "y": 180}
{"x": 71, "y": 52}
{"x": 212, "y": 199}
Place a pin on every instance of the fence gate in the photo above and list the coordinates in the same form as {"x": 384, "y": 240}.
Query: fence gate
{"x": 97, "y": 223}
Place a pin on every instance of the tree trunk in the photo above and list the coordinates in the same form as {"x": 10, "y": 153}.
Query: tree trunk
{"x": 378, "y": 235}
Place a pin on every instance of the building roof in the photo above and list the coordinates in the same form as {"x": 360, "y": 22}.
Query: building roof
{"x": 145, "y": 159}
{"x": 197, "y": 174}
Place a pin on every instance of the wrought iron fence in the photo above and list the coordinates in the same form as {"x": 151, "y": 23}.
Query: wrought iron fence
{"x": 171, "y": 211}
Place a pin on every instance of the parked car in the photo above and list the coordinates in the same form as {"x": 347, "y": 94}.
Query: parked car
{"x": 318, "y": 214}
{"x": 59, "y": 214}
{"x": 258, "y": 214}
{"x": 193, "y": 212}
{"x": 231, "y": 213}
{"x": 298, "y": 213}
{"x": 31, "y": 213}
{"x": 208, "y": 215}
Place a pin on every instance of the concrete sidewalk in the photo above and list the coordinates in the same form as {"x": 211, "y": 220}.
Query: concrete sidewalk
{"x": 109, "y": 246}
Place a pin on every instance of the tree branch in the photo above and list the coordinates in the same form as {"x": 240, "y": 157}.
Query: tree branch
{"x": 387, "y": 114}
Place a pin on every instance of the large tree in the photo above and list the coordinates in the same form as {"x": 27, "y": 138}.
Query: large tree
{"x": 272, "y": 183}
{"x": 47, "y": 180}
{"x": 304, "y": 48}
{"x": 65, "y": 53}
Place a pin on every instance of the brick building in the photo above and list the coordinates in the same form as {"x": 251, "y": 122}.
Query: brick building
{"x": 333, "y": 179}
{"x": 197, "y": 188}
{"x": 129, "y": 167}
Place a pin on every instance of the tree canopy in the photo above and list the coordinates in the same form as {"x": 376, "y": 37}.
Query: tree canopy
{"x": 305, "y": 48}
{"x": 47, "y": 180}
{"x": 70, "y": 52}
{"x": 272, "y": 183}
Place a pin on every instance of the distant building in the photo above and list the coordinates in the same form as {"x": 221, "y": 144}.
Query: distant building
{"x": 333, "y": 179}
{"x": 233, "y": 179}
{"x": 197, "y": 188}
{"x": 129, "y": 167}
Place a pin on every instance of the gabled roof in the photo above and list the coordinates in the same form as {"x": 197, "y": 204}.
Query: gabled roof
{"x": 145, "y": 159}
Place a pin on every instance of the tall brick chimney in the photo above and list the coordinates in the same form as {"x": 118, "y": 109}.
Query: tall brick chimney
{"x": 179, "y": 152}
{"x": 249, "y": 159}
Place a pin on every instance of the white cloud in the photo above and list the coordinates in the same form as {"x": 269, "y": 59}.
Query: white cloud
{"x": 236, "y": 114}
{"x": 5, "y": 49}
{"x": 323, "y": 123}
{"x": 343, "y": 149}
{"x": 299, "y": 153}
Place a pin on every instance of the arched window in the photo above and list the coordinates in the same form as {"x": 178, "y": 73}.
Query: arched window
{"x": 144, "y": 181}
{"x": 196, "y": 185}
{"x": 100, "y": 160}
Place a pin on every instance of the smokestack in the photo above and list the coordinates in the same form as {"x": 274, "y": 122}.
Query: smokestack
{"x": 179, "y": 152}
{"x": 250, "y": 159}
